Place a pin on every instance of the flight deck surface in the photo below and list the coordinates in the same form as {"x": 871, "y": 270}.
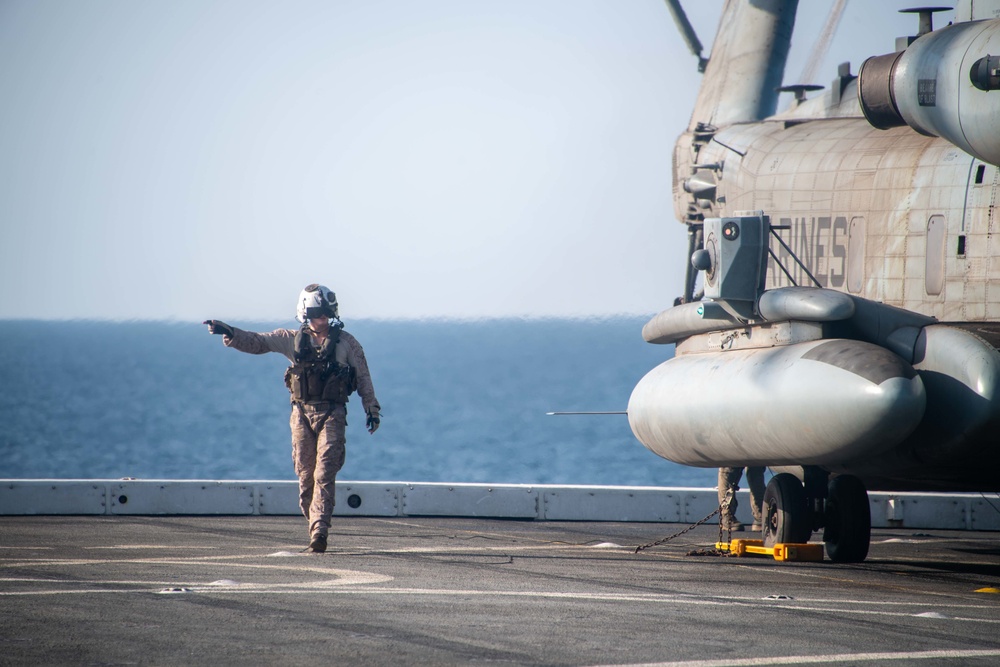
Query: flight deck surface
{"x": 181, "y": 590}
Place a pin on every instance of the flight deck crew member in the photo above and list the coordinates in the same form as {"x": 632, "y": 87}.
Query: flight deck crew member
{"x": 328, "y": 365}
{"x": 729, "y": 478}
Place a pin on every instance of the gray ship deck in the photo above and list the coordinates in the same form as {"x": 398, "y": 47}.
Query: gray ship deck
{"x": 401, "y": 590}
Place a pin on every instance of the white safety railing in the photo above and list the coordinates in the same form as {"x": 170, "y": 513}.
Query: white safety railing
{"x": 966, "y": 511}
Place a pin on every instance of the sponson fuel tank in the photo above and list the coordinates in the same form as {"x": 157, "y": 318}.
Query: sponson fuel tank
{"x": 816, "y": 402}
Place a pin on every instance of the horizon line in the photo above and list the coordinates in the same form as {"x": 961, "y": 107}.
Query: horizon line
{"x": 462, "y": 319}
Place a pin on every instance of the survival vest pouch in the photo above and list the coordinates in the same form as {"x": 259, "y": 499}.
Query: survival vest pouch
{"x": 316, "y": 375}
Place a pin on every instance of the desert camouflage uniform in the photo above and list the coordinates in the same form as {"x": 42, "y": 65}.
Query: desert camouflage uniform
{"x": 318, "y": 456}
{"x": 729, "y": 478}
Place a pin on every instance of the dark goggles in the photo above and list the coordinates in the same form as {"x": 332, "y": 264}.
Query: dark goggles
{"x": 313, "y": 312}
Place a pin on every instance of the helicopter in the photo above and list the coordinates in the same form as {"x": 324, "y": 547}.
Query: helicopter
{"x": 839, "y": 321}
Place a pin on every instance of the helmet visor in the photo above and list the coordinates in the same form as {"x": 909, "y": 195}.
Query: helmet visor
{"x": 313, "y": 312}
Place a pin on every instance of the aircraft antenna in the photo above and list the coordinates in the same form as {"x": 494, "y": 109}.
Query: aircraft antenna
{"x": 616, "y": 412}
{"x": 687, "y": 32}
{"x": 822, "y": 44}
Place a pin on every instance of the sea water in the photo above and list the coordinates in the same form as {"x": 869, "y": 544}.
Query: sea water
{"x": 462, "y": 401}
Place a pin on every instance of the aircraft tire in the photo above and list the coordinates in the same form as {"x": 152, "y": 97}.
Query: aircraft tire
{"x": 785, "y": 513}
{"x": 848, "y": 520}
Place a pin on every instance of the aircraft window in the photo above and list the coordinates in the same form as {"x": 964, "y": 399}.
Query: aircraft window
{"x": 961, "y": 246}
{"x": 934, "y": 267}
{"x": 980, "y": 172}
{"x": 856, "y": 255}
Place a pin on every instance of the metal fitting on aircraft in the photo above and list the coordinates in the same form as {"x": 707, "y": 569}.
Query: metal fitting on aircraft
{"x": 937, "y": 85}
{"x": 701, "y": 184}
{"x": 875, "y": 91}
{"x": 985, "y": 73}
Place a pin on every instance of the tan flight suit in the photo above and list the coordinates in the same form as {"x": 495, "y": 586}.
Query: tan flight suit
{"x": 729, "y": 478}
{"x": 318, "y": 456}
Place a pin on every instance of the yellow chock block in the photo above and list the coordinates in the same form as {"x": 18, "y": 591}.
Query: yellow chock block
{"x": 800, "y": 552}
{"x": 780, "y": 552}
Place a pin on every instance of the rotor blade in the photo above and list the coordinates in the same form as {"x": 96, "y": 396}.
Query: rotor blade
{"x": 822, "y": 44}
{"x": 621, "y": 412}
{"x": 687, "y": 31}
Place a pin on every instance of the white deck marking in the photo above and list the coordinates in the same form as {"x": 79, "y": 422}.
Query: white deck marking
{"x": 342, "y": 578}
{"x": 121, "y": 547}
{"x": 330, "y": 577}
{"x": 315, "y": 578}
{"x": 351, "y": 582}
{"x": 822, "y": 659}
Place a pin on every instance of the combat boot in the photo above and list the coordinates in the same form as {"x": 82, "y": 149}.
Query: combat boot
{"x": 317, "y": 545}
{"x": 732, "y": 524}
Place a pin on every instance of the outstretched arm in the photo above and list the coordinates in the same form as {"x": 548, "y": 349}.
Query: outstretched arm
{"x": 279, "y": 340}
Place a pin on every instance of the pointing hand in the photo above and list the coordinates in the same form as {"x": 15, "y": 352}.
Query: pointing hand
{"x": 219, "y": 328}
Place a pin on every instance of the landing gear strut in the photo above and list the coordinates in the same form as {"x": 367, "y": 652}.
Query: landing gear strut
{"x": 790, "y": 512}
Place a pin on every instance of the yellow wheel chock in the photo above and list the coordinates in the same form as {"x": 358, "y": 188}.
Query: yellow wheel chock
{"x": 780, "y": 551}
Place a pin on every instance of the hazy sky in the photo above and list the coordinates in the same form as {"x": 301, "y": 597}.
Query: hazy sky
{"x": 176, "y": 159}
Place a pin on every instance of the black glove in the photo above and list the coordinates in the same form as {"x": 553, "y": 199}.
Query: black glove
{"x": 373, "y": 421}
{"x": 220, "y": 328}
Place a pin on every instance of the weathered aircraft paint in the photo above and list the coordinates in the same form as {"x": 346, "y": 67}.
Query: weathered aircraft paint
{"x": 831, "y": 180}
{"x": 857, "y": 345}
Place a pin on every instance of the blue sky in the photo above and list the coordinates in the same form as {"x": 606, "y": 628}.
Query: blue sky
{"x": 424, "y": 158}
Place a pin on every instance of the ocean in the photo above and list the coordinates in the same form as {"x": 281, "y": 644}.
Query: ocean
{"x": 462, "y": 401}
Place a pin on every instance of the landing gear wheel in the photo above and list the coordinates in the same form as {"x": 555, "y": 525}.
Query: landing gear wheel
{"x": 848, "y": 520}
{"x": 785, "y": 513}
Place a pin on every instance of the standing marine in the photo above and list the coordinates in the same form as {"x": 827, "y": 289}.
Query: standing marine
{"x": 729, "y": 480}
{"x": 327, "y": 366}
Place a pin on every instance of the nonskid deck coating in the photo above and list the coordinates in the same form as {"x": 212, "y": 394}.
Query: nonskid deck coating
{"x": 238, "y": 590}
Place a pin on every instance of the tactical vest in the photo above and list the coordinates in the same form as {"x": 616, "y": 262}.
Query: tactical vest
{"x": 316, "y": 375}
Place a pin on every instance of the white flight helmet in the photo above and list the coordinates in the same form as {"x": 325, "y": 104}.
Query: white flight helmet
{"x": 316, "y": 300}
